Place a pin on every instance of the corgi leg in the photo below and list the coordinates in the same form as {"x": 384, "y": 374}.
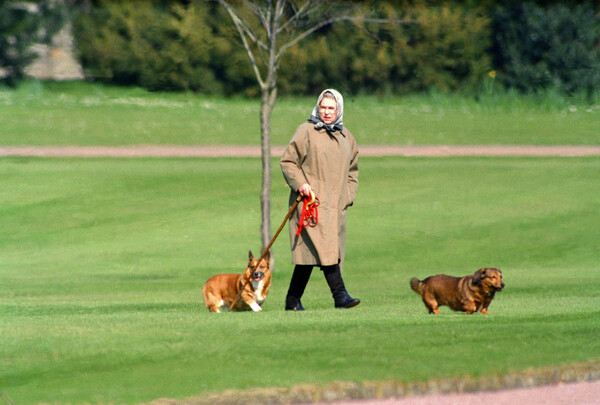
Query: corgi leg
{"x": 251, "y": 302}
{"x": 213, "y": 303}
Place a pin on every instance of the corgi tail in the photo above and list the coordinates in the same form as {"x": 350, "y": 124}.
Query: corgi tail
{"x": 416, "y": 285}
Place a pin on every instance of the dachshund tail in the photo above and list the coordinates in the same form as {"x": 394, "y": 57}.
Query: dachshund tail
{"x": 417, "y": 285}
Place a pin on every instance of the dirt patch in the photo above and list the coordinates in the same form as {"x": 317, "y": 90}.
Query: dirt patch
{"x": 584, "y": 393}
{"x": 569, "y": 384}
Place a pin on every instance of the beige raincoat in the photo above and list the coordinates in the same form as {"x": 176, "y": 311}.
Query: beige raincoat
{"x": 329, "y": 163}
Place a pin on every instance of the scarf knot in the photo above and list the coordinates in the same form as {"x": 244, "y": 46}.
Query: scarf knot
{"x": 329, "y": 128}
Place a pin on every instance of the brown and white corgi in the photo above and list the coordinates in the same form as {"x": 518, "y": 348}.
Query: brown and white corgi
{"x": 222, "y": 290}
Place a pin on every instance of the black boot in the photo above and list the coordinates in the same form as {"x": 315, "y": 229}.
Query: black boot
{"x": 297, "y": 285}
{"x": 293, "y": 304}
{"x": 334, "y": 279}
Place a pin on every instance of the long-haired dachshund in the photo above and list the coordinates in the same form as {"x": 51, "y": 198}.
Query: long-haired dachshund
{"x": 468, "y": 294}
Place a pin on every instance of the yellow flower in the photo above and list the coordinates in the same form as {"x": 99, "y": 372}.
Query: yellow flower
{"x": 492, "y": 74}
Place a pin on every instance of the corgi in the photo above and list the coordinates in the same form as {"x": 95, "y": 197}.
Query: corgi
{"x": 248, "y": 289}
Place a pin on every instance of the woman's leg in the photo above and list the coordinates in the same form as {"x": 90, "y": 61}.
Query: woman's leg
{"x": 298, "y": 283}
{"x": 334, "y": 279}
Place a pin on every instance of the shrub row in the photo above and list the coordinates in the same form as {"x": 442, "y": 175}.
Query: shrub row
{"x": 541, "y": 48}
{"x": 451, "y": 47}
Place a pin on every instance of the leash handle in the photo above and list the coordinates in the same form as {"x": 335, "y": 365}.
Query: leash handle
{"x": 264, "y": 253}
{"x": 310, "y": 213}
{"x": 312, "y": 198}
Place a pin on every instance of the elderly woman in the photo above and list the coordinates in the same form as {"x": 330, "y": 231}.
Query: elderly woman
{"x": 321, "y": 158}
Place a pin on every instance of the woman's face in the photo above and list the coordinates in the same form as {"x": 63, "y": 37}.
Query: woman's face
{"x": 328, "y": 110}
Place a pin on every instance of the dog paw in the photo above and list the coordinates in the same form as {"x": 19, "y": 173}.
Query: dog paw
{"x": 255, "y": 307}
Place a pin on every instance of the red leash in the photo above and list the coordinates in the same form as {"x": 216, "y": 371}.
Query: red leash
{"x": 310, "y": 214}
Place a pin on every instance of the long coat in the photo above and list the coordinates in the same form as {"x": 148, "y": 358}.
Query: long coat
{"x": 329, "y": 163}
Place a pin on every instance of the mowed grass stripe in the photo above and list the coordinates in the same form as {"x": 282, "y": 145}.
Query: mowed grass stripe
{"x": 87, "y": 114}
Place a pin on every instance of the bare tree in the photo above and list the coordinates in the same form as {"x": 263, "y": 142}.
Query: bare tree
{"x": 267, "y": 29}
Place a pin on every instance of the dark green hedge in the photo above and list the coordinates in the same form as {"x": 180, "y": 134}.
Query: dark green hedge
{"x": 451, "y": 47}
{"x": 553, "y": 47}
{"x": 142, "y": 43}
{"x": 444, "y": 49}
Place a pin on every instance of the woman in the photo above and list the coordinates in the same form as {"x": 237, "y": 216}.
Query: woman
{"x": 321, "y": 158}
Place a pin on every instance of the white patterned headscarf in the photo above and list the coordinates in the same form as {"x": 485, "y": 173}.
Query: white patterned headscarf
{"x": 338, "y": 124}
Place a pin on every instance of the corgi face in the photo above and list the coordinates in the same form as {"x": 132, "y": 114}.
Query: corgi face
{"x": 257, "y": 271}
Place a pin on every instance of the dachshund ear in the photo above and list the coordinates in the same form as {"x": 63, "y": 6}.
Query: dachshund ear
{"x": 478, "y": 276}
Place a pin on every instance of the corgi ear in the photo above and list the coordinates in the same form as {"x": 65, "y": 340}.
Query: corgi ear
{"x": 250, "y": 257}
{"x": 268, "y": 257}
{"x": 478, "y": 276}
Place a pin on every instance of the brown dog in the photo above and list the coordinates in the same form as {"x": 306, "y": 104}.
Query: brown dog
{"x": 221, "y": 290}
{"x": 468, "y": 294}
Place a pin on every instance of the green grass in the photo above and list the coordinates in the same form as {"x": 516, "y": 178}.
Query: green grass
{"x": 102, "y": 263}
{"x": 48, "y": 113}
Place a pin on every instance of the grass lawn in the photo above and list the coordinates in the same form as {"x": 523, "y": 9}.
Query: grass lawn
{"x": 102, "y": 262}
{"x": 40, "y": 113}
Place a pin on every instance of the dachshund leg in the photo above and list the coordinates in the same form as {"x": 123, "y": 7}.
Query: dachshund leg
{"x": 470, "y": 307}
{"x": 431, "y": 304}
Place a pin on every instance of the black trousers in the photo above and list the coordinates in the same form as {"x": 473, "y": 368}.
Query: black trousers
{"x": 302, "y": 274}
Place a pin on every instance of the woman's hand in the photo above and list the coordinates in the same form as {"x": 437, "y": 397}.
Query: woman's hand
{"x": 305, "y": 190}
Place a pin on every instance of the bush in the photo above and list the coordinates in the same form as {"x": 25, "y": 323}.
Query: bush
{"x": 444, "y": 48}
{"x": 145, "y": 43}
{"x": 447, "y": 51}
{"x": 539, "y": 48}
{"x": 161, "y": 46}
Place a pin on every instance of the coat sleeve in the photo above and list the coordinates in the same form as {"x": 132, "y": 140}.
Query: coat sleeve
{"x": 353, "y": 173}
{"x": 292, "y": 159}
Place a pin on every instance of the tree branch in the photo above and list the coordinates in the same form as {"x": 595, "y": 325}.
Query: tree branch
{"x": 260, "y": 14}
{"x": 241, "y": 23}
{"x": 297, "y": 15}
{"x": 330, "y": 21}
{"x": 240, "y": 27}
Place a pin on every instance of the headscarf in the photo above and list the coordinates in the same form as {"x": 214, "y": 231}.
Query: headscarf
{"x": 337, "y": 125}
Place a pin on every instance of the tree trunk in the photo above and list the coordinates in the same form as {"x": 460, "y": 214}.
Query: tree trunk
{"x": 266, "y": 108}
{"x": 269, "y": 96}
